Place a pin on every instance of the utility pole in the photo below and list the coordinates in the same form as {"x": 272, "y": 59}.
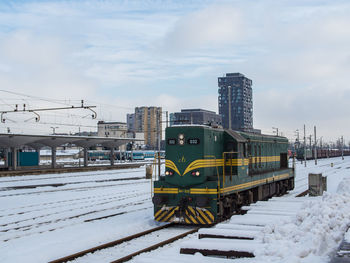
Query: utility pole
{"x": 159, "y": 130}
{"x": 310, "y": 140}
{"x": 159, "y": 136}
{"x": 297, "y": 132}
{"x": 328, "y": 150}
{"x": 304, "y": 147}
{"x": 297, "y": 142}
{"x": 229, "y": 108}
{"x": 342, "y": 143}
{"x": 167, "y": 118}
{"x": 315, "y": 146}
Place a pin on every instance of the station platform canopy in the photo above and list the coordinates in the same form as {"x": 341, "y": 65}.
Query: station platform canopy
{"x": 14, "y": 142}
{"x": 9, "y": 140}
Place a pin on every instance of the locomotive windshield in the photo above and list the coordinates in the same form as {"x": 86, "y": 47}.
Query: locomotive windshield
{"x": 171, "y": 141}
{"x": 193, "y": 141}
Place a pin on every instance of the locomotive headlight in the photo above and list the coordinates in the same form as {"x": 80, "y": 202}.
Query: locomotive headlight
{"x": 169, "y": 173}
{"x": 195, "y": 173}
{"x": 181, "y": 139}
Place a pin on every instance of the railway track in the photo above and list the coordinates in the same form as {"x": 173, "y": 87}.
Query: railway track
{"x": 302, "y": 181}
{"x": 134, "y": 242}
{"x": 48, "y": 224}
{"x": 33, "y": 186}
{"x": 19, "y": 226}
{"x": 75, "y": 203}
{"x": 63, "y": 176}
{"x": 302, "y": 193}
{"x": 69, "y": 169}
{"x": 72, "y": 189}
{"x": 98, "y": 255}
{"x": 79, "y": 196}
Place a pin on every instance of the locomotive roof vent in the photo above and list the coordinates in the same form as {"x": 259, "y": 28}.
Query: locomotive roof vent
{"x": 236, "y": 136}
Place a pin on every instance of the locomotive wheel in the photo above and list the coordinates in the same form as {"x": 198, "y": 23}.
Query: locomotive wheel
{"x": 277, "y": 189}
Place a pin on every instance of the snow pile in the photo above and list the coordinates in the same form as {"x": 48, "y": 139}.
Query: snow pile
{"x": 313, "y": 234}
{"x": 347, "y": 236}
{"x": 344, "y": 186}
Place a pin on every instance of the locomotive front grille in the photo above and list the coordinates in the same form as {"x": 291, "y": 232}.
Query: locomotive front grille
{"x": 187, "y": 215}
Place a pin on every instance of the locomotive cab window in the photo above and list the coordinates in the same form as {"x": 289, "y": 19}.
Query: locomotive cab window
{"x": 171, "y": 141}
{"x": 256, "y": 155}
{"x": 240, "y": 150}
{"x": 231, "y": 147}
{"x": 193, "y": 141}
{"x": 245, "y": 150}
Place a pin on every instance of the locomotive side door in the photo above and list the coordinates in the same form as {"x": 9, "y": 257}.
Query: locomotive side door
{"x": 231, "y": 158}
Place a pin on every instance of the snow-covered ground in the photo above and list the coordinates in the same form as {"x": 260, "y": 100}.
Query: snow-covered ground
{"x": 307, "y": 229}
{"x": 45, "y": 217}
{"x": 39, "y": 222}
{"x": 70, "y": 162}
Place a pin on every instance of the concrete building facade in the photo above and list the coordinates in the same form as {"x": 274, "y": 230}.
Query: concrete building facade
{"x": 171, "y": 119}
{"x": 236, "y": 102}
{"x": 111, "y": 129}
{"x": 197, "y": 116}
{"x": 149, "y": 121}
{"x": 130, "y": 122}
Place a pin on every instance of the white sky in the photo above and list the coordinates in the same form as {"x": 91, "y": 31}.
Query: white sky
{"x": 121, "y": 54}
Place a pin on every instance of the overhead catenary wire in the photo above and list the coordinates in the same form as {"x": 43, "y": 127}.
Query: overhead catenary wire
{"x": 61, "y": 101}
{"x": 34, "y": 97}
{"x": 31, "y": 99}
{"x": 66, "y": 124}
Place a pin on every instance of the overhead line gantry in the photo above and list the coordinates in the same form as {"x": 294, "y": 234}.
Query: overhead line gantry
{"x": 35, "y": 111}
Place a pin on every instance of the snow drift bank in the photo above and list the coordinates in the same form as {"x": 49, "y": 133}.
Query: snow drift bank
{"x": 313, "y": 234}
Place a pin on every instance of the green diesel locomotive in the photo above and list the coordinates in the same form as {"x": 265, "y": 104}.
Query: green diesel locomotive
{"x": 211, "y": 172}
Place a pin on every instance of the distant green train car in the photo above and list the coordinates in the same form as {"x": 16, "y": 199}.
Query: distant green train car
{"x": 211, "y": 172}
{"x": 300, "y": 154}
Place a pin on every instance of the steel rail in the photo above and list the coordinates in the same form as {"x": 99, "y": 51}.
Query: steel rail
{"x": 302, "y": 193}
{"x": 130, "y": 256}
{"x": 44, "y": 170}
{"x": 155, "y": 246}
{"x": 107, "y": 245}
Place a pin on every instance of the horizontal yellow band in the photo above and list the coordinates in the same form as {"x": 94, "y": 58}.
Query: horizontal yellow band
{"x": 253, "y": 183}
{"x": 166, "y": 190}
{"x": 203, "y": 191}
{"x": 222, "y": 190}
{"x": 206, "y": 163}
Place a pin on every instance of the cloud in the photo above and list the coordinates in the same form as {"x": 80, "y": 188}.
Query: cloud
{"x": 40, "y": 65}
{"x": 170, "y": 103}
{"x": 291, "y": 109}
{"x": 120, "y": 55}
{"x": 211, "y": 26}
